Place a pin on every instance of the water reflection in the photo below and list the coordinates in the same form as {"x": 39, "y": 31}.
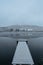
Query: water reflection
{"x": 8, "y": 46}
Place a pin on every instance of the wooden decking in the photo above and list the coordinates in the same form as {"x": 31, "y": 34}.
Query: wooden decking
{"x": 22, "y": 54}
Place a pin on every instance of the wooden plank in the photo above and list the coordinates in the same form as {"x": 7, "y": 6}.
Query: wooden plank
{"x": 22, "y": 54}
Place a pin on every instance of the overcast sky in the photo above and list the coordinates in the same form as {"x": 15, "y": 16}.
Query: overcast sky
{"x": 29, "y": 12}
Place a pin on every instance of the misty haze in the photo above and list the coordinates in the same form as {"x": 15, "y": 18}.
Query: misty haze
{"x": 21, "y": 32}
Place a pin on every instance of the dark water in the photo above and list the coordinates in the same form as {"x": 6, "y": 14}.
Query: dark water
{"x": 7, "y": 49}
{"x": 36, "y": 49}
{"x": 8, "y": 46}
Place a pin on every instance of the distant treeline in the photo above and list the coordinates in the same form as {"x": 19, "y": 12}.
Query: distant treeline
{"x": 20, "y": 30}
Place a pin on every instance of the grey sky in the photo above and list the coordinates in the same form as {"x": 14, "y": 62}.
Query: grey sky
{"x": 27, "y": 12}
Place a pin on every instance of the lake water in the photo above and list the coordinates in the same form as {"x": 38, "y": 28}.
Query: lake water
{"x": 8, "y": 46}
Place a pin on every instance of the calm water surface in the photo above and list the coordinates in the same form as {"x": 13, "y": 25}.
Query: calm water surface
{"x": 8, "y": 46}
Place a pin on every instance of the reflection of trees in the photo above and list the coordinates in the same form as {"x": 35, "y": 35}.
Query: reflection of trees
{"x": 17, "y": 35}
{"x": 11, "y": 35}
